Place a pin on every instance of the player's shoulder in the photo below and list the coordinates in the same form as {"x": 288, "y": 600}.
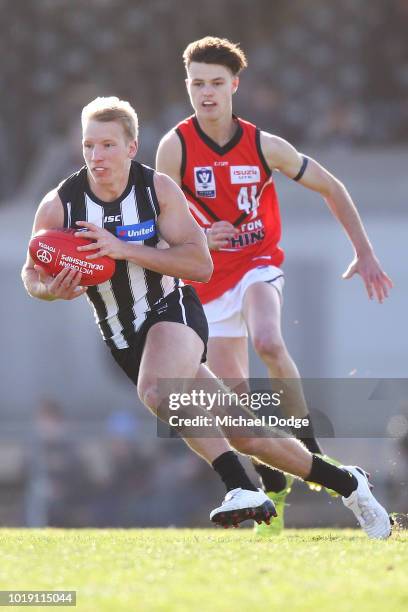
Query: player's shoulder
{"x": 73, "y": 178}
{"x": 164, "y": 185}
{"x": 50, "y": 209}
{"x": 170, "y": 140}
{"x": 139, "y": 171}
{"x": 182, "y": 130}
{"x": 69, "y": 186}
{"x": 274, "y": 148}
{"x": 244, "y": 123}
{"x": 186, "y": 123}
{"x": 50, "y": 198}
{"x": 170, "y": 154}
{"x": 272, "y": 140}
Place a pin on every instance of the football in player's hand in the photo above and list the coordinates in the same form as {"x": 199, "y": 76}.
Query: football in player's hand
{"x": 56, "y": 249}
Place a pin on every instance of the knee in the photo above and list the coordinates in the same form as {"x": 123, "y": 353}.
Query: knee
{"x": 269, "y": 348}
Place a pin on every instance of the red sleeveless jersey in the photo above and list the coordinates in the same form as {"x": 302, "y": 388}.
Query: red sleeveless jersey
{"x": 231, "y": 183}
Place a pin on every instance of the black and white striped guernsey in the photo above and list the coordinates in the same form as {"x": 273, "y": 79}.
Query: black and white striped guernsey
{"x": 122, "y": 303}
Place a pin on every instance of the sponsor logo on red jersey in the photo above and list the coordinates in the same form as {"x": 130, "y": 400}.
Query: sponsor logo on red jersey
{"x": 245, "y": 174}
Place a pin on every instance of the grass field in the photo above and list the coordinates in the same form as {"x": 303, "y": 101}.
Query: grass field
{"x": 214, "y": 569}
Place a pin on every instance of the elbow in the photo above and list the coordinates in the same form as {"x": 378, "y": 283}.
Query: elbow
{"x": 204, "y": 271}
{"x": 208, "y": 272}
{"x": 24, "y": 279}
{"x": 334, "y": 188}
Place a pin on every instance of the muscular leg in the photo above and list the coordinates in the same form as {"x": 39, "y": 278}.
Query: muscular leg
{"x": 283, "y": 453}
{"x": 286, "y": 454}
{"x": 228, "y": 359}
{"x": 173, "y": 351}
{"x": 262, "y": 313}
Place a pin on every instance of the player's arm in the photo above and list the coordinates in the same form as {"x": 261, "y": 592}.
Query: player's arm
{"x": 65, "y": 286}
{"x": 168, "y": 161}
{"x": 282, "y": 156}
{"x": 187, "y": 256}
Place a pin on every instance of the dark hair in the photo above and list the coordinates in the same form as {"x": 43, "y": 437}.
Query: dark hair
{"x": 212, "y": 50}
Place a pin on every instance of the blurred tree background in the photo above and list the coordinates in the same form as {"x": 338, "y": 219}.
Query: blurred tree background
{"x": 319, "y": 72}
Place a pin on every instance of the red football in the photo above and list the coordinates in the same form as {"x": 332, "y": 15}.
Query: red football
{"x": 56, "y": 249}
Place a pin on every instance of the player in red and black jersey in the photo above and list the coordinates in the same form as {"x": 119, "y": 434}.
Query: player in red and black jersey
{"x": 224, "y": 166}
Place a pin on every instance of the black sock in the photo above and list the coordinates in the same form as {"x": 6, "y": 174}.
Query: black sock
{"x": 332, "y": 477}
{"x": 272, "y": 480}
{"x": 306, "y": 435}
{"x": 232, "y": 472}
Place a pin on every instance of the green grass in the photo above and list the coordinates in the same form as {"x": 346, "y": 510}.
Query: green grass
{"x": 209, "y": 570}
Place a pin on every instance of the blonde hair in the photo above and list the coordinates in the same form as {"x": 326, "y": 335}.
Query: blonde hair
{"x": 113, "y": 109}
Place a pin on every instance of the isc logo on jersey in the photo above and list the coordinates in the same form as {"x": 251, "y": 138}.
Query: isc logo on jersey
{"x": 137, "y": 231}
{"x": 245, "y": 174}
{"x": 112, "y": 219}
{"x": 204, "y": 181}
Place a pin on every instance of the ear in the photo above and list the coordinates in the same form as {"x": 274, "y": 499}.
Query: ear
{"x": 235, "y": 83}
{"x": 133, "y": 147}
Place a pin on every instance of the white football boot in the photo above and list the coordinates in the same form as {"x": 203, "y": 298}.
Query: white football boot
{"x": 241, "y": 505}
{"x": 373, "y": 518}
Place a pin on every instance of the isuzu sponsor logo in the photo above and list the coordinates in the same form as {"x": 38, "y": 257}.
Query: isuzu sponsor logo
{"x": 245, "y": 174}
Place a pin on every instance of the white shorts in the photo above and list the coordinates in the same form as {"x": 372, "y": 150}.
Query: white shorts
{"x": 224, "y": 314}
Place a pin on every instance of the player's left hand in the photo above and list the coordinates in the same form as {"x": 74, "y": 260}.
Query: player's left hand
{"x": 105, "y": 242}
{"x": 376, "y": 281}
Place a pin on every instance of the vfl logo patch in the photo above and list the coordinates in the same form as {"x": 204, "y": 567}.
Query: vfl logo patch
{"x": 204, "y": 182}
{"x": 136, "y": 232}
{"x": 245, "y": 174}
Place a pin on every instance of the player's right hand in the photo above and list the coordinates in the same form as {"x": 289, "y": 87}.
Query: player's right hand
{"x": 65, "y": 286}
{"x": 219, "y": 235}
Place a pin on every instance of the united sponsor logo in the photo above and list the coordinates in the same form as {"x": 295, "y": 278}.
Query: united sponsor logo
{"x": 204, "y": 181}
{"x": 136, "y": 232}
{"x": 245, "y": 174}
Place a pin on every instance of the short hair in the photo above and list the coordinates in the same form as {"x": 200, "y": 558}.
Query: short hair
{"x": 113, "y": 109}
{"x": 212, "y": 50}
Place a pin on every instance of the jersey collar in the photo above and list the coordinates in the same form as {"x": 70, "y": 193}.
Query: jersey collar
{"x": 212, "y": 144}
{"x": 97, "y": 200}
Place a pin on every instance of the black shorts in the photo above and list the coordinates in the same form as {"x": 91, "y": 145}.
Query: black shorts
{"x": 180, "y": 306}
